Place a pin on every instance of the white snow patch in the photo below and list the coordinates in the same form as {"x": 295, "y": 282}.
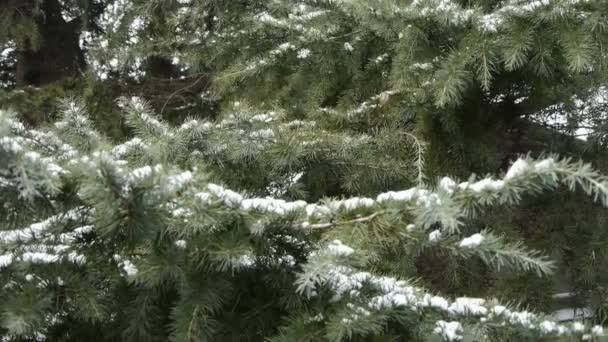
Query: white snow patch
{"x": 129, "y": 268}
{"x": 447, "y": 184}
{"x": 304, "y": 53}
{"x": 486, "y": 184}
{"x": 450, "y": 331}
{"x": 517, "y": 169}
{"x": 435, "y": 236}
{"x": 6, "y": 260}
{"x": 337, "y": 248}
{"x": 472, "y": 241}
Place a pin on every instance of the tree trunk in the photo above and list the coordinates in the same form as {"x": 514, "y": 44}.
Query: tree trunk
{"x": 59, "y": 55}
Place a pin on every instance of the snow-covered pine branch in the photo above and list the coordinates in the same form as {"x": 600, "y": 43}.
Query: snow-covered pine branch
{"x": 163, "y": 223}
{"x": 360, "y": 296}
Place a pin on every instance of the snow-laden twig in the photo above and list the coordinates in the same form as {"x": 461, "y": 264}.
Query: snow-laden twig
{"x": 383, "y": 294}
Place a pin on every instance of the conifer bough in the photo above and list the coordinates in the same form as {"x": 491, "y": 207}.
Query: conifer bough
{"x": 119, "y": 238}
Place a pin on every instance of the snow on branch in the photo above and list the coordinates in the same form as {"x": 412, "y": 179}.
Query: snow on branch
{"x": 525, "y": 175}
{"x": 129, "y": 196}
{"x": 351, "y": 287}
{"x": 41, "y": 229}
{"x": 456, "y": 14}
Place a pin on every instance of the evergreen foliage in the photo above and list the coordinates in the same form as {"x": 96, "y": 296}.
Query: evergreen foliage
{"x": 460, "y": 71}
{"x": 455, "y": 74}
{"x": 136, "y": 241}
{"x": 313, "y": 112}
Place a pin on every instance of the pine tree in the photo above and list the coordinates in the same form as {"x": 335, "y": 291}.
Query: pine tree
{"x": 138, "y": 241}
{"x": 327, "y": 109}
{"x": 462, "y": 72}
{"x": 467, "y": 80}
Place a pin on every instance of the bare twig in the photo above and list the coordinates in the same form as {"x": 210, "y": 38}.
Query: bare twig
{"x": 180, "y": 90}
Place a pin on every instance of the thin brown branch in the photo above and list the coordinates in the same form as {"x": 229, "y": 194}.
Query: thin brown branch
{"x": 181, "y": 90}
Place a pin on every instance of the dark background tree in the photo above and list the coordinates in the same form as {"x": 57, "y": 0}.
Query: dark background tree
{"x": 47, "y": 37}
